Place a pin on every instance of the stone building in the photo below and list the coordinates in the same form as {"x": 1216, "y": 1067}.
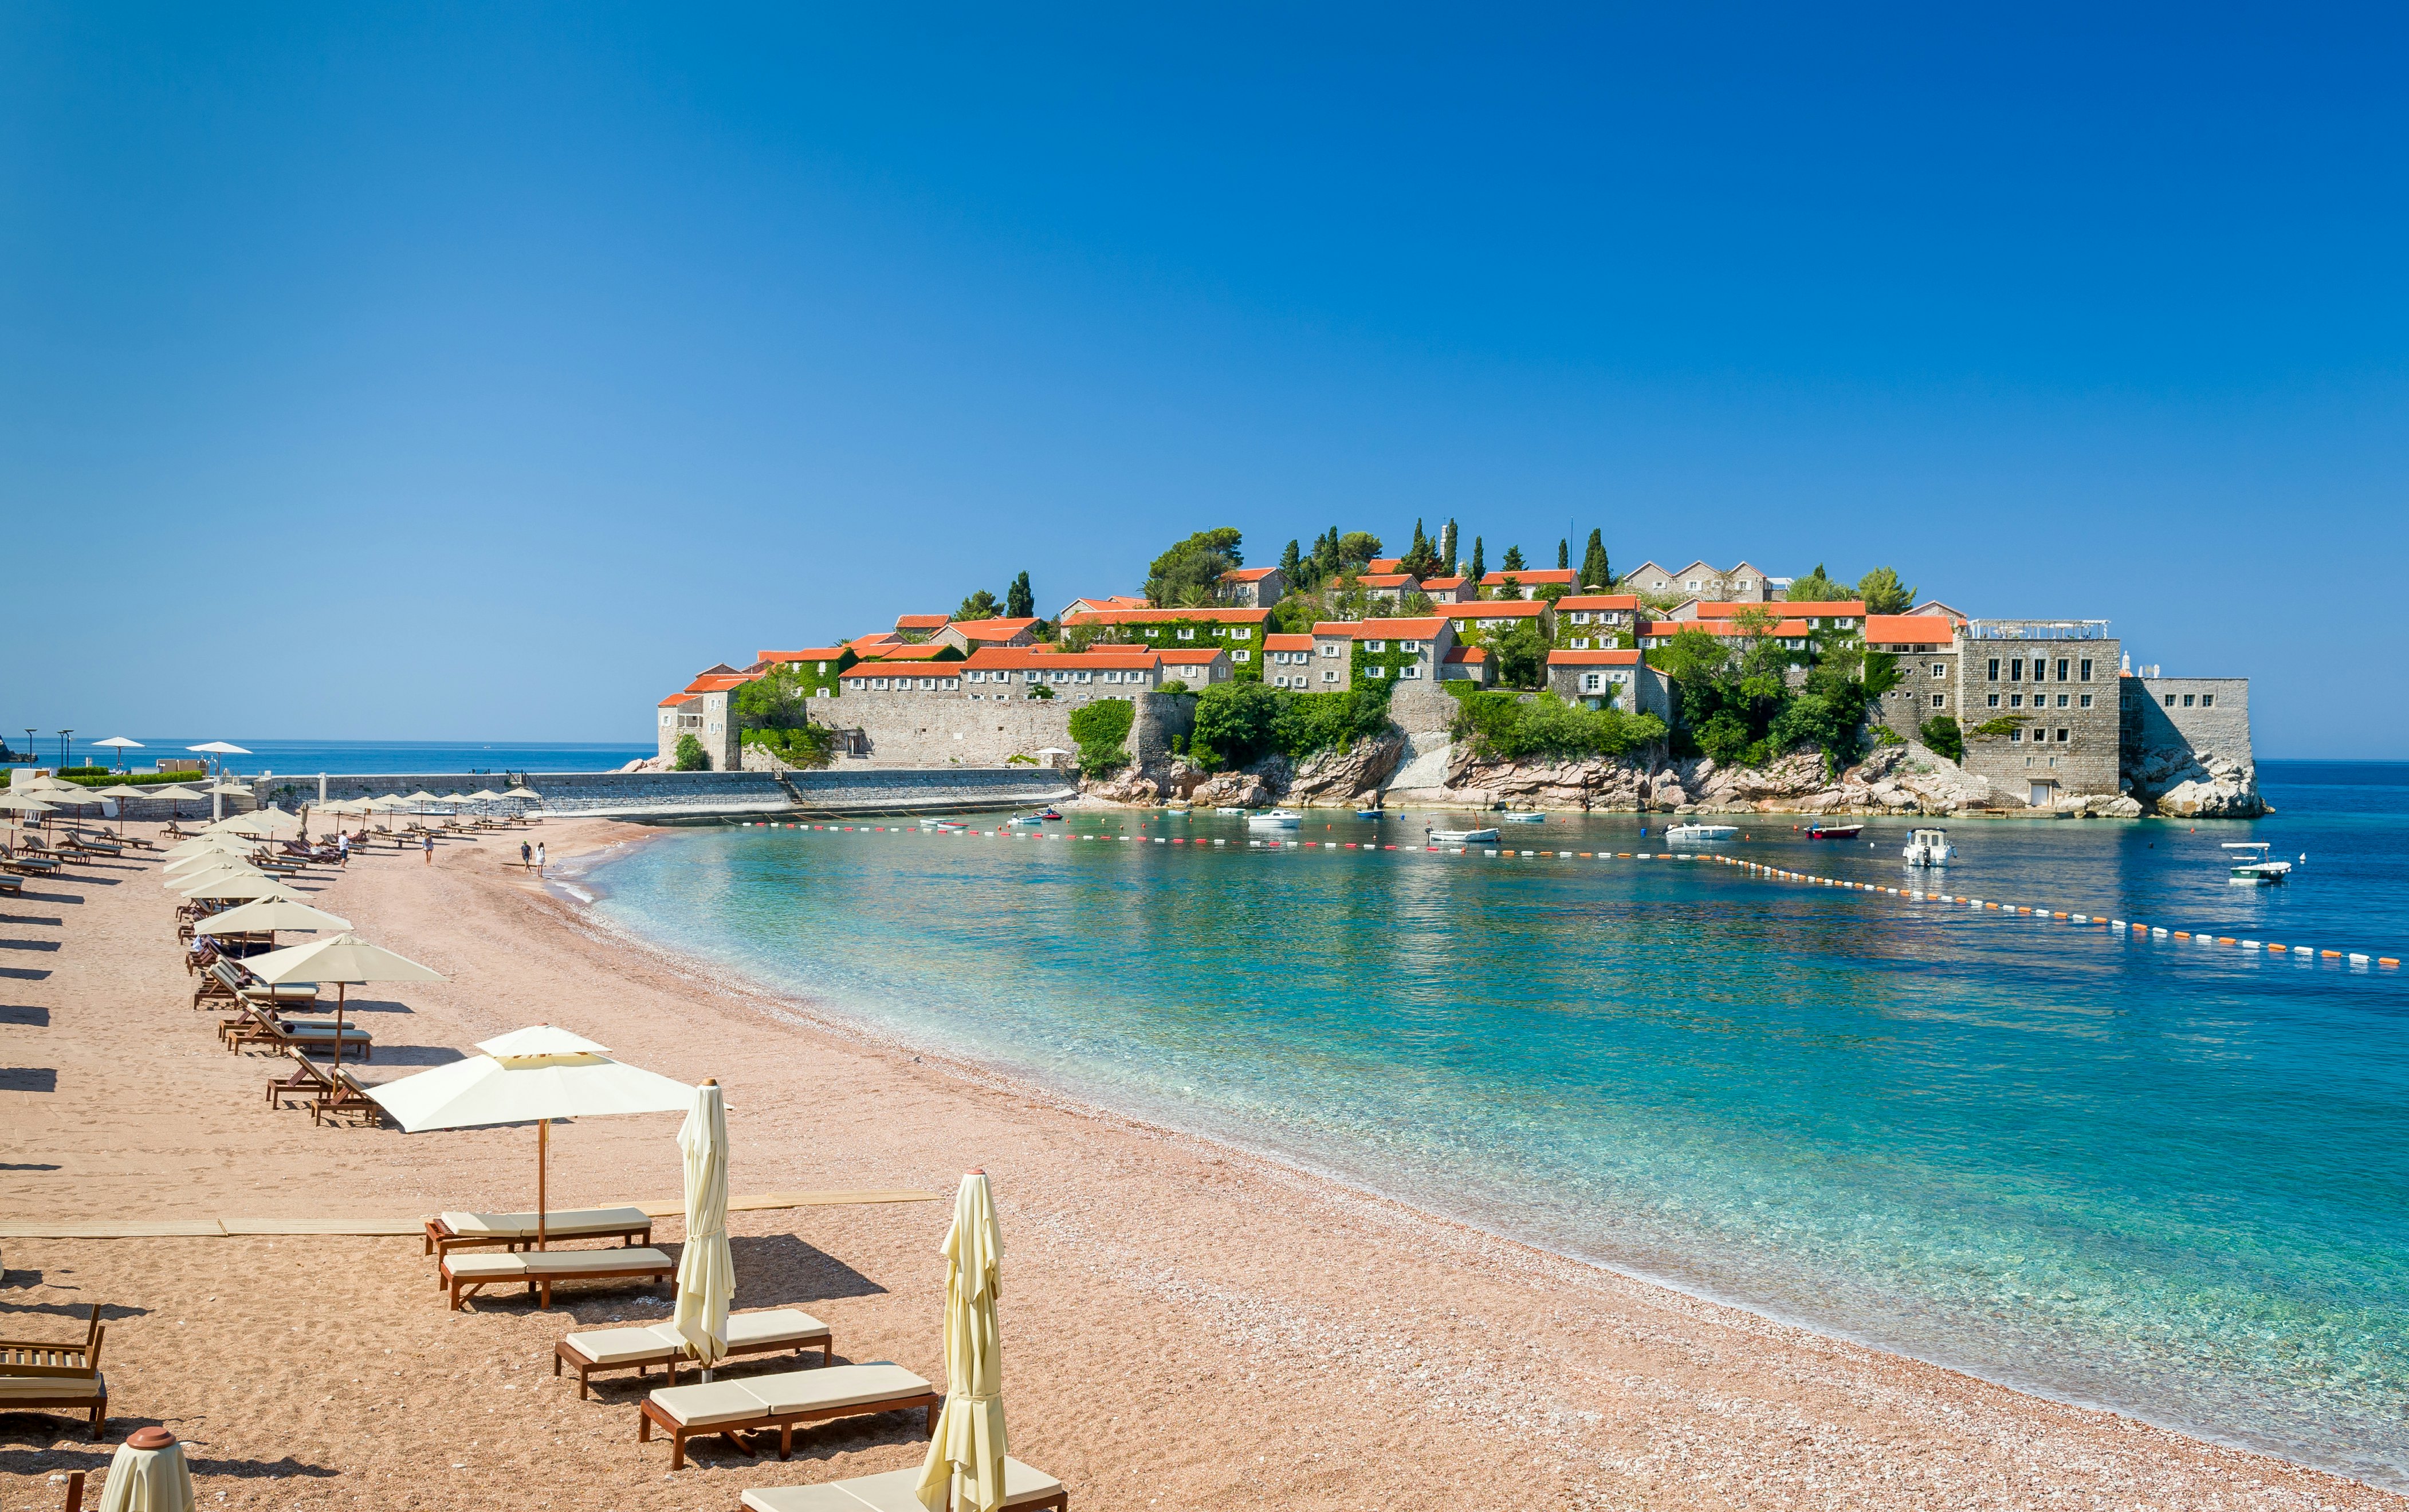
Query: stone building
{"x": 1288, "y": 661}
{"x": 1388, "y": 588}
{"x": 998, "y": 704}
{"x": 1598, "y": 678}
{"x": 1740, "y": 584}
{"x": 700, "y": 709}
{"x": 1794, "y": 635}
{"x": 1240, "y": 631}
{"x": 1927, "y": 648}
{"x": 1595, "y": 621}
{"x": 968, "y": 635}
{"x": 2039, "y": 704}
{"x": 1254, "y": 587}
{"x": 2187, "y": 745}
{"x": 1530, "y": 580}
{"x": 1348, "y": 654}
{"x": 1830, "y": 614}
{"x": 1453, "y": 589}
{"x": 1498, "y": 616}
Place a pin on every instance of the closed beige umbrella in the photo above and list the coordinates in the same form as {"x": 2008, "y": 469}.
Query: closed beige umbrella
{"x": 706, "y": 1275}
{"x": 147, "y": 1473}
{"x": 964, "y": 1468}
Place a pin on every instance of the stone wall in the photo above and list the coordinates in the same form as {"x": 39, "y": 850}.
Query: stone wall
{"x": 2187, "y": 746}
{"x": 2042, "y": 772}
{"x": 944, "y": 729}
{"x": 856, "y": 787}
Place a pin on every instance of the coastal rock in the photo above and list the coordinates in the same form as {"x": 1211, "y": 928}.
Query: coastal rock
{"x": 2183, "y": 786}
{"x": 1475, "y": 781}
{"x": 658, "y": 763}
{"x": 1424, "y": 763}
{"x": 1346, "y": 776}
{"x": 1126, "y": 785}
{"x": 2215, "y": 797}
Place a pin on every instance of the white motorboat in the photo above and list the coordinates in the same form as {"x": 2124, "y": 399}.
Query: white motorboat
{"x": 1463, "y": 837}
{"x": 1929, "y": 847}
{"x": 1025, "y": 819}
{"x": 1230, "y": 808}
{"x": 1274, "y": 819}
{"x": 1524, "y": 818}
{"x": 1682, "y": 833}
{"x": 948, "y": 825}
{"x": 2252, "y": 867}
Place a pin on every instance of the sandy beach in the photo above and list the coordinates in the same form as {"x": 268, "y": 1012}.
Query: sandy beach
{"x": 1186, "y": 1326}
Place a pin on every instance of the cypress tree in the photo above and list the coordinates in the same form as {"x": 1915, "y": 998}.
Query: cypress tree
{"x": 1480, "y": 564}
{"x": 1020, "y": 603}
{"x": 1448, "y": 560}
{"x": 1290, "y": 565}
{"x": 1594, "y": 571}
{"x": 1513, "y": 562}
{"x": 1564, "y": 555}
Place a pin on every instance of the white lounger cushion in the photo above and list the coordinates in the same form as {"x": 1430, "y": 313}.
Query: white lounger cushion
{"x": 897, "y": 1490}
{"x": 663, "y": 1343}
{"x": 489, "y": 1265}
{"x": 789, "y": 1391}
{"x": 75, "y": 1387}
{"x": 562, "y": 1224}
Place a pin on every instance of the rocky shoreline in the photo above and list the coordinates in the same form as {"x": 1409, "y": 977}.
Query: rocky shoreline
{"x": 1430, "y": 770}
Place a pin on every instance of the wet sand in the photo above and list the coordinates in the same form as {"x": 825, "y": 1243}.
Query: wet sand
{"x": 1185, "y": 1326}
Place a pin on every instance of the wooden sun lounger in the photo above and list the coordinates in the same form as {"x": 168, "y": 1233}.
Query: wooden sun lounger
{"x": 266, "y": 1025}
{"x": 350, "y": 1094}
{"x": 784, "y": 1402}
{"x": 899, "y": 1491}
{"x": 97, "y": 847}
{"x": 642, "y": 1348}
{"x": 447, "y": 1232}
{"x": 37, "y": 1374}
{"x": 222, "y": 981}
{"x": 542, "y": 1270}
{"x": 12, "y": 886}
{"x": 28, "y": 866}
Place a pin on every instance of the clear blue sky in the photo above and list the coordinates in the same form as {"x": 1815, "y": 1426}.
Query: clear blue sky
{"x": 483, "y": 371}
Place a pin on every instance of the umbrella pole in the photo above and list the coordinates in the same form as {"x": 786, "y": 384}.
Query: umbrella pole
{"x": 340, "y": 988}
{"x": 543, "y": 1145}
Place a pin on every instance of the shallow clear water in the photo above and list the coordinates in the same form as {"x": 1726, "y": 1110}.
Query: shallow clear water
{"x": 2168, "y": 1177}
{"x": 311, "y": 758}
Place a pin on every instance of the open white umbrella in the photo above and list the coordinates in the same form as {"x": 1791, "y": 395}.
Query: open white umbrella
{"x": 121, "y": 791}
{"x": 187, "y": 870}
{"x": 346, "y": 960}
{"x": 175, "y": 793}
{"x": 523, "y": 791}
{"x": 965, "y": 1464}
{"x": 241, "y": 888}
{"x": 17, "y": 802}
{"x": 706, "y": 1275}
{"x": 269, "y": 914}
{"x": 120, "y": 745}
{"x": 529, "y": 1075}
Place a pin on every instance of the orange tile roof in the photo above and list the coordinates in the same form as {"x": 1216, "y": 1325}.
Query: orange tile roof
{"x": 1152, "y": 616}
{"x": 925, "y": 650}
{"x": 1787, "y": 629}
{"x": 863, "y": 642}
{"x": 1475, "y": 654}
{"x": 1386, "y": 579}
{"x": 719, "y": 681}
{"x": 1384, "y": 563}
{"x": 890, "y": 666}
{"x": 990, "y": 657}
{"x": 673, "y": 700}
{"x": 1443, "y": 582}
{"x": 1717, "y": 608}
{"x": 1288, "y": 642}
{"x": 1592, "y": 601}
{"x": 1247, "y": 574}
{"x": 807, "y": 654}
{"x": 1533, "y": 577}
{"x": 921, "y": 622}
{"x": 1593, "y": 658}
{"x": 1495, "y": 609}
{"x": 1426, "y": 629}
{"x": 995, "y": 630}
{"x": 1934, "y": 629}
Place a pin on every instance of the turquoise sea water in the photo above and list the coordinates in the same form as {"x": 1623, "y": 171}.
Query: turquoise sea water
{"x": 2165, "y": 1177}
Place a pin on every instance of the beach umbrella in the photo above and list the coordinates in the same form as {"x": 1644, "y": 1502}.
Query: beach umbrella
{"x": 175, "y": 793}
{"x": 147, "y": 1473}
{"x": 346, "y": 960}
{"x": 120, "y": 745}
{"x": 523, "y": 791}
{"x": 529, "y": 1075}
{"x": 20, "y": 802}
{"x": 187, "y": 868}
{"x": 706, "y": 1275}
{"x": 965, "y": 1464}
{"x": 269, "y": 914}
{"x": 121, "y": 791}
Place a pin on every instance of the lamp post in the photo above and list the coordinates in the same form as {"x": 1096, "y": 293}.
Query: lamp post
{"x": 64, "y": 746}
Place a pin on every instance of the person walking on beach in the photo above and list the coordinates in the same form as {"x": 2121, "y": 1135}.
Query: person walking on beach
{"x": 525, "y": 856}
{"x": 539, "y": 857}
{"x": 426, "y": 846}
{"x": 343, "y": 849}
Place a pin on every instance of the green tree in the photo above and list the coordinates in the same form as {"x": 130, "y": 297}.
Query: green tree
{"x": 1292, "y": 566}
{"x": 1513, "y": 562}
{"x": 781, "y": 700}
{"x": 1102, "y": 729}
{"x": 1522, "y": 655}
{"x": 1883, "y": 593}
{"x": 1815, "y": 588}
{"x": 1356, "y": 550}
{"x": 1415, "y": 604}
{"x": 1019, "y": 602}
{"x": 691, "y": 756}
{"x": 1596, "y": 572}
{"x": 1191, "y": 571}
{"x": 1449, "y": 562}
{"x": 1479, "y": 568}
{"x": 1564, "y": 555}
{"x": 1506, "y": 726}
{"x": 1422, "y": 558}
{"x": 978, "y": 606}
{"x": 1233, "y": 723}
{"x": 1941, "y": 734}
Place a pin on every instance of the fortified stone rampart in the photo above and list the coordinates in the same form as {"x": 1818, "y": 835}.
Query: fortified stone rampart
{"x": 2187, "y": 745}
{"x": 924, "y": 729}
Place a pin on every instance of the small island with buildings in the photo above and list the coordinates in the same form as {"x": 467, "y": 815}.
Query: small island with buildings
{"x": 1343, "y": 676}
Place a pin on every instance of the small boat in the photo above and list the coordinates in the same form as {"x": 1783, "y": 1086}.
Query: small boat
{"x": 1230, "y": 808}
{"x": 1371, "y": 813}
{"x": 1463, "y": 837}
{"x": 1929, "y": 847}
{"x": 1049, "y": 814}
{"x": 1274, "y": 819}
{"x": 942, "y": 823}
{"x": 1834, "y": 831}
{"x": 2252, "y": 868}
{"x": 1031, "y": 820}
{"x": 1692, "y": 832}
{"x": 1524, "y": 818}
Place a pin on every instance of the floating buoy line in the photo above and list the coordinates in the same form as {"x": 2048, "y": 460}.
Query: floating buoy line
{"x": 2306, "y": 955}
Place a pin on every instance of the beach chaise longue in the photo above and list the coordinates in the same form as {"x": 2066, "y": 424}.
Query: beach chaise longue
{"x": 784, "y": 1402}
{"x": 447, "y": 1232}
{"x": 899, "y": 1491}
{"x": 540, "y": 1269}
{"x": 37, "y": 1376}
{"x": 640, "y": 1349}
